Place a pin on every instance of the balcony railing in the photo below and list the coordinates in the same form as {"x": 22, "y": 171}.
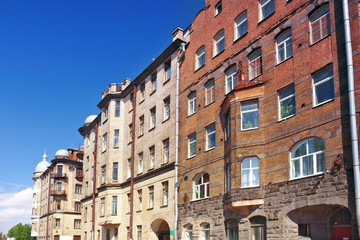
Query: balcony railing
{"x": 79, "y": 175}
{"x": 58, "y": 175}
{"x": 58, "y": 193}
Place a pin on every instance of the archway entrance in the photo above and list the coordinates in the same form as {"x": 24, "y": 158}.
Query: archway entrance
{"x": 161, "y": 229}
{"x": 341, "y": 225}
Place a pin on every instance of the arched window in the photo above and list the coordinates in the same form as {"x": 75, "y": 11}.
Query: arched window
{"x": 210, "y": 92}
{"x": 205, "y": 231}
{"x": 230, "y": 79}
{"x": 232, "y": 230}
{"x": 307, "y": 158}
{"x": 320, "y": 24}
{"x": 284, "y": 46}
{"x": 188, "y": 232}
{"x": 255, "y": 61}
{"x": 219, "y": 43}
{"x": 241, "y": 25}
{"x": 258, "y": 228}
{"x": 200, "y": 58}
{"x": 250, "y": 172}
{"x": 192, "y": 103}
{"x": 201, "y": 186}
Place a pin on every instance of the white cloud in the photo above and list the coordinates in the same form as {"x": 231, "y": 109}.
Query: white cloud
{"x": 15, "y": 208}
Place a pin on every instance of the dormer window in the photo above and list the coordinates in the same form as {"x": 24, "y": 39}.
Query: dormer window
{"x": 218, "y": 8}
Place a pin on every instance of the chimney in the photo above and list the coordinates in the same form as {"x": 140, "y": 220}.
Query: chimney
{"x": 125, "y": 83}
{"x": 178, "y": 33}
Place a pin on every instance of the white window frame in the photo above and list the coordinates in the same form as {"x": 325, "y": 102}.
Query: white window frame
{"x": 116, "y": 138}
{"x": 166, "y": 150}
{"x": 217, "y": 9}
{"x": 191, "y": 142}
{"x": 205, "y": 231}
{"x": 142, "y": 92}
{"x": 166, "y": 109}
{"x": 227, "y": 126}
{"x": 314, "y": 156}
{"x": 167, "y": 68}
{"x": 140, "y": 162}
{"x": 231, "y": 79}
{"x": 188, "y": 231}
{"x": 243, "y": 112}
{"x": 209, "y": 134}
{"x": 103, "y": 174}
{"x": 152, "y": 157}
{"x": 104, "y": 145}
{"x": 284, "y": 40}
{"x": 219, "y": 39}
{"x": 154, "y": 82}
{"x": 210, "y": 92}
{"x": 254, "y": 71}
{"x": 286, "y": 98}
{"x": 106, "y": 112}
{"x": 192, "y": 103}
{"x": 117, "y": 108}
{"x": 114, "y": 205}
{"x": 102, "y": 206}
{"x": 151, "y": 197}
{"x": 239, "y": 22}
{"x": 139, "y": 199}
{"x": 318, "y": 15}
{"x": 129, "y": 169}
{"x": 200, "y": 58}
{"x": 328, "y": 71}
{"x": 165, "y": 193}
{"x": 251, "y": 169}
{"x": 263, "y": 4}
{"x": 153, "y": 118}
{"x": 141, "y": 128}
{"x": 197, "y": 187}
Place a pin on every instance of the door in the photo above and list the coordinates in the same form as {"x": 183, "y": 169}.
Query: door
{"x": 56, "y": 237}
{"x": 342, "y": 233}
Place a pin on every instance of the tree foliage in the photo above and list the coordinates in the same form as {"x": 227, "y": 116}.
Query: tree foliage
{"x": 20, "y": 232}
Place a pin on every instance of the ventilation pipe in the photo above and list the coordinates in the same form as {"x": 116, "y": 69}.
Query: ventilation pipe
{"x": 354, "y": 137}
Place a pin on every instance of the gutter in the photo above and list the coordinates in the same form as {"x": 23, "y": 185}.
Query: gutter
{"x": 94, "y": 185}
{"x": 353, "y": 129}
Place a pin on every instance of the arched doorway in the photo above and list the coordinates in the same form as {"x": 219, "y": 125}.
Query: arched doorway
{"x": 341, "y": 225}
{"x": 161, "y": 229}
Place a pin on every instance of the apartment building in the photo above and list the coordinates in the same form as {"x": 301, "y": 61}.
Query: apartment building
{"x": 129, "y": 148}
{"x": 57, "y": 195}
{"x": 264, "y": 138}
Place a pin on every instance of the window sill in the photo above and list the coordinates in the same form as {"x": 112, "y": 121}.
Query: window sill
{"x": 149, "y": 209}
{"x": 283, "y": 119}
{"x": 190, "y": 157}
{"x": 164, "y": 163}
{"x": 209, "y": 104}
{"x": 140, "y": 173}
{"x": 130, "y": 110}
{"x": 151, "y": 169}
{"x": 138, "y": 211}
{"x": 151, "y": 129}
{"x": 116, "y": 147}
{"x": 103, "y": 151}
{"x": 114, "y": 214}
{"x": 199, "y": 68}
{"x": 189, "y": 115}
{"x": 141, "y": 101}
{"x": 196, "y": 200}
{"x": 163, "y": 206}
{"x": 166, "y": 120}
{"x": 249, "y": 187}
{"x": 307, "y": 176}
{"x": 166, "y": 81}
{"x": 102, "y": 215}
{"x": 129, "y": 143}
{"x": 140, "y": 135}
{"x": 249, "y": 129}
{"x": 265, "y": 18}
{"x": 283, "y": 61}
{"x": 105, "y": 120}
{"x": 218, "y": 53}
{"x": 253, "y": 79}
{"x": 239, "y": 38}
{"x": 152, "y": 92}
{"x": 320, "y": 104}
{"x": 207, "y": 150}
{"x": 312, "y": 44}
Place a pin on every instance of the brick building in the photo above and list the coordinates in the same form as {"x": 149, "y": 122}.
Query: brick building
{"x": 264, "y": 138}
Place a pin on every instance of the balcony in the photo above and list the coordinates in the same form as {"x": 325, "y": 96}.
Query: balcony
{"x": 79, "y": 175}
{"x": 58, "y": 175}
{"x": 58, "y": 193}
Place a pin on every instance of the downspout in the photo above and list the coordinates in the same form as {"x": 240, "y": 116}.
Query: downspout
{"x": 354, "y": 137}
{"x": 182, "y": 49}
{"x": 94, "y": 185}
{"x": 48, "y": 207}
{"x": 132, "y": 164}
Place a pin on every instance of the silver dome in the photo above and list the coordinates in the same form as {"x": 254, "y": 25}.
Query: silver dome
{"x": 89, "y": 119}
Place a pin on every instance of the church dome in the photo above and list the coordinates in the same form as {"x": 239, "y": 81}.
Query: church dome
{"x": 61, "y": 153}
{"x": 43, "y": 165}
{"x": 89, "y": 119}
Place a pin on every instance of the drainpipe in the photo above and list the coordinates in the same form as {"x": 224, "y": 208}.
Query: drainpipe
{"x": 48, "y": 207}
{"x": 132, "y": 164}
{"x": 182, "y": 49}
{"x": 94, "y": 185}
{"x": 354, "y": 137}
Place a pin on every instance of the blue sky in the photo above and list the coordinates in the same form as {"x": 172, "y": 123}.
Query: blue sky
{"x": 56, "y": 57}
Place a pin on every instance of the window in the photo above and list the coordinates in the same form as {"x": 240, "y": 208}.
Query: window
{"x": 188, "y": 232}
{"x": 166, "y": 151}
{"x": 218, "y": 8}
{"x": 200, "y": 58}
{"x": 307, "y": 158}
{"x": 219, "y": 42}
{"x": 128, "y": 233}
{"x": 267, "y": 7}
{"x": 258, "y": 228}
{"x": 106, "y": 112}
{"x": 154, "y": 82}
{"x": 151, "y": 197}
{"x": 115, "y": 172}
{"x": 139, "y": 192}
{"x": 141, "y": 128}
{"x": 255, "y": 61}
{"x": 131, "y": 100}
{"x": 192, "y": 145}
{"x": 232, "y": 230}
{"x": 152, "y": 156}
{"x": 250, "y": 172}
{"x": 230, "y": 79}
{"x": 129, "y": 168}
{"x": 205, "y": 231}
{"x": 117, "y": 108}
{"x": 192, "y": 103}
{"x": 201, "y": 186}
{"x": 87, "y": 139}
{"x": 165, "y": 193}
{"x": 59, "y": 187}
{"x": 210, "y": 92}
{"x": 167, "y": 71}
{"x": 152, "y": 118}
{"x": 85, "y": 214}
{"x": 103, "y": 174}
{"x": 116, "y": 138}
{"x": 142, "y": 92}
{"x": 139, "y": 232}
{"x": 304, "y": 230}
{"x": 284, "y": 46}
{"x": 104, "y": 146}
{"x": 210, "y": 137}
{"x": 166, "y": 108}
{"x": 130, "y": 136}
{"x": 249, "y": 115}
{"x": 114, "y": 205}
{"x": 140, "y": 163}
{"x": 77, "y": 223}
{"x": 241, "y": 25}
{"x": 58, "y": 205}
{"x": 320, "y": 24}
{"x": 228, "y": 177}
{"x": 78, "y": 189}
{"x": 129, "y": 202}
{"x": 57, "y": 222}
{"x": 287, "y": 106}
{"x": 323, "y": 86}
{"x": 227, "y": 126}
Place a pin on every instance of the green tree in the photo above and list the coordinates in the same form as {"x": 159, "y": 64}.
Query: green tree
{"x": 20, "y": 232}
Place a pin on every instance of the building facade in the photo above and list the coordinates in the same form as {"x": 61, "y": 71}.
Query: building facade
{"x": 264, "y": 122}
